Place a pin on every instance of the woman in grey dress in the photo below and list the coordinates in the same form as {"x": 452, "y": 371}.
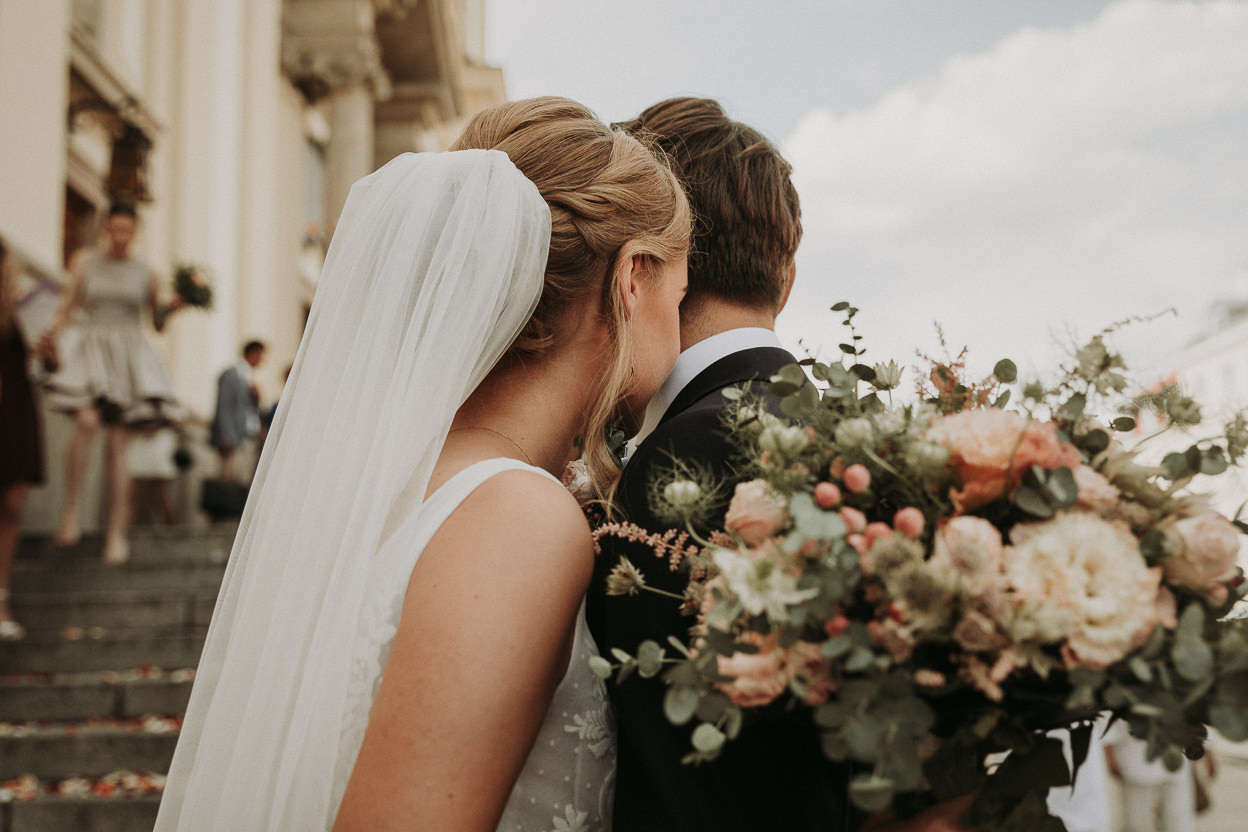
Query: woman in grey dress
{"x": 110, "y": 374}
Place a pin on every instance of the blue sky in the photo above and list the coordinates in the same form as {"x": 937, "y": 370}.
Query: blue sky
{"x": 1022, "y": 172}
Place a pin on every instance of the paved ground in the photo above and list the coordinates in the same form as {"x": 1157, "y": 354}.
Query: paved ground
{"x": 1229, "y": 812}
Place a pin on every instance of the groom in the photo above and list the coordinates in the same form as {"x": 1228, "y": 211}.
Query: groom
{"x": 747, "y": 227}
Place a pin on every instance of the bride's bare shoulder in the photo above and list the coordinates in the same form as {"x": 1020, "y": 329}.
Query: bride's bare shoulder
{"x": 520, "y": 519}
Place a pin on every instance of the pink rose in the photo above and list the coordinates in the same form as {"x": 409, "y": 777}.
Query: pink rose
{"x": 1095, "y": 492}
{"x": 857, "y": 478}
{"x": 970, "y": 546}
{"x": 1207, "y": 560}
{"x": 758, "y": 678}
{"x": 1165, "y": 613}
{"x": 756, "y": 512}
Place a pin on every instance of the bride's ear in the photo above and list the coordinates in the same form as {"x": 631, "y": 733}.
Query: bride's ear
{"x": 630, "y": 274}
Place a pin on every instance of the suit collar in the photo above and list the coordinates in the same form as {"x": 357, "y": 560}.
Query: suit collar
{"x": 737, "y": 368}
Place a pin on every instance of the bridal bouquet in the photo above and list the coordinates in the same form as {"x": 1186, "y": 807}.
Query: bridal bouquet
{"x": 191, "y": 284}
{"x": 942, "y": 583}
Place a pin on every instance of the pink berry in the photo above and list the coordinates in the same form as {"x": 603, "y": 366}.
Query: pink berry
{"x": 854, "y": 519}
{"x": 857, "y": 478}
{"x": 878, "y": 531}
{"x": 827, "y": 495}
{"x": 909, "y": 521}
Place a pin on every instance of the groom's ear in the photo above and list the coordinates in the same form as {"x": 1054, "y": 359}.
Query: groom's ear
{"x": 630, "y": 273}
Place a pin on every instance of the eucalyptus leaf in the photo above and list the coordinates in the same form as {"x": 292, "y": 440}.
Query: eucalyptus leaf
{"x": 707, "y": 738}
{"x": 1192, "y": 659}
{"x": 840, "y": 306}
{"x": 1074, "y": 406}
{"x": 680, "y": 646}
{"x": 649, "y": 659}
{"x": 1033, "y": 502}
{"x": 1095, "y": 441}
{"x": 1061, "y": 486}
{"x": 1003, "y": 399}
{"x": 1006, "y": 371}
{"x": 870, "y": 793}
{"x": 600, "y": 667}
{"x": 1123, "y": 424}
{"x": 1175, "y": 466}
{"x": 1231, "y": 723}
{"x": 859, "y": 660}
{"x": 679, "y": 704}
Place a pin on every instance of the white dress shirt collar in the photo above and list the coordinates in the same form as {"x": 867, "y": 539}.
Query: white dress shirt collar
{"x": 693, "y": 361}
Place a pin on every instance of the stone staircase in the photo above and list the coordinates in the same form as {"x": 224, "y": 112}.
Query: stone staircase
{"x": 92, "y": 699}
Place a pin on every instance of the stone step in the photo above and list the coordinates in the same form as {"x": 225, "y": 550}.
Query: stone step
{"x": 81, "y": 814}
{"x": 80, "y": 696}
{"x": 184, "y": 546}
{"x": 119, "y": 608}
{"x": 112, "y": 649}
{"x": 74, "y": 749}
{"x": 54, "y": 575}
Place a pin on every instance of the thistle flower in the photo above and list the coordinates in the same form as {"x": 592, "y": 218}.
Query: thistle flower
{"x": 625, "y": 579}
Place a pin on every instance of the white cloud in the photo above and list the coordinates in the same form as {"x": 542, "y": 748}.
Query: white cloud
{"x": 1062, "y": 180}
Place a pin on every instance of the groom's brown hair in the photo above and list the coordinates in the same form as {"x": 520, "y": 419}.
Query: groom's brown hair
{"x": 748, "y": 221}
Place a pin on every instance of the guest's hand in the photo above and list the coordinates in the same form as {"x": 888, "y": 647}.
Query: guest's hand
{"x": 47, "y": 353}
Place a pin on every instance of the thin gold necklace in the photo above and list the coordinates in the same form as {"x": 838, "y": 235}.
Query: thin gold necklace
{"x": 514, "y": 443}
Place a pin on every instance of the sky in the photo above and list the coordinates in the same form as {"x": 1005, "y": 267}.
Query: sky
{"x": 1023, "y": 173}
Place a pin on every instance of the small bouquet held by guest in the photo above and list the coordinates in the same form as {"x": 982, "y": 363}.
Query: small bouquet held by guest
{"x": 939, "y": 584}
{"x": 191, "y": 285}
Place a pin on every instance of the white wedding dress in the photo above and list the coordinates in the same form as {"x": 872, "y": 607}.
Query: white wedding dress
{"x": 567, "y": 783}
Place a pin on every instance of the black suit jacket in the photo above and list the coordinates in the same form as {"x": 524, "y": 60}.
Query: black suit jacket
{"x": 774, "y": 775}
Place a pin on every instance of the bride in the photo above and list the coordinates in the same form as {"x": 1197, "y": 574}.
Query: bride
{"x": 399, "y": 641}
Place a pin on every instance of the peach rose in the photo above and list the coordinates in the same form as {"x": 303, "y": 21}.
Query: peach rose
{"x": 758, "y": 678}
{"x": 982, "y": 444}
{"x": 756, "y": 512}
{"x": 1210, "y": 550}
{"x": 804, "y": 660}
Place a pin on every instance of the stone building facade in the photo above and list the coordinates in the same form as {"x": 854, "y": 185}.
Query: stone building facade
{"x": 238, "y": 127}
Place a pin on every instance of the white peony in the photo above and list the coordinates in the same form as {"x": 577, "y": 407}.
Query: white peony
{"x": 1078, "y": 580}
{"x": 760, "y": 584}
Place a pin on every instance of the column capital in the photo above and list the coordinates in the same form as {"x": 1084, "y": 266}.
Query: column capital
{"x": 328, "y": 44}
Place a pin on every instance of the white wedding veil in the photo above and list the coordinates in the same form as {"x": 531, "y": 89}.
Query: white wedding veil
{"x": 435, "y": 267}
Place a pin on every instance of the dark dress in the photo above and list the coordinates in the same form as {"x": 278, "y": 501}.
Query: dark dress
{"x": 774, "y": 775}
{"x": 21, "y": 443}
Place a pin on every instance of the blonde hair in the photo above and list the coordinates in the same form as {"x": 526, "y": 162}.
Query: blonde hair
{"x": 611, "y": 198}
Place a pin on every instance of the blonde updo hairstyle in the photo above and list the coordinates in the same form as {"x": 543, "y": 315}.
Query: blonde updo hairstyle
{"x": 611, "y": 198}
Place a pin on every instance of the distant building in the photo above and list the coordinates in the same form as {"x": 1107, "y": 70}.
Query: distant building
{"x": 238, "y": 127}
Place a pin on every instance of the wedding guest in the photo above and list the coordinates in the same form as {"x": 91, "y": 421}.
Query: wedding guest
{"x": 151, "y": 460}
{"x": 236, "y": 419}
{"x": 1154, "y": 799}
{"x": 21, "y": 439}
{"x": 110, "y": 374}
{"x": 399, "y": 642}
{"x": 741, "y": 268}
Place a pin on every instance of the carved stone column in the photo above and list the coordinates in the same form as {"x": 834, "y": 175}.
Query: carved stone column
{"x": 330, "y": 50}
